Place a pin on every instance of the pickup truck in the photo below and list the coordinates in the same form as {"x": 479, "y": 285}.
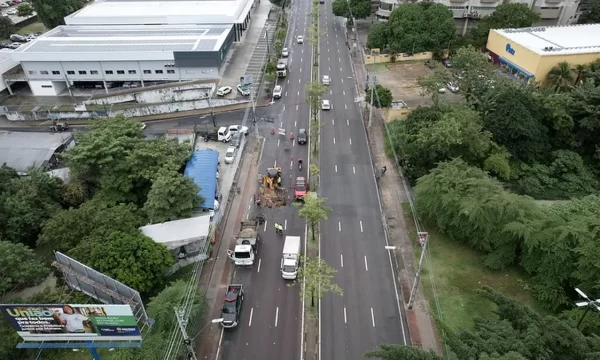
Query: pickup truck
{"x": 232, "y": 306}
{"x": 223, "y": 134}
{"x": 246, "y": 244}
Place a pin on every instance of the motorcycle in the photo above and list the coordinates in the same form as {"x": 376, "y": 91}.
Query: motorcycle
{"x": 299, "y": 166}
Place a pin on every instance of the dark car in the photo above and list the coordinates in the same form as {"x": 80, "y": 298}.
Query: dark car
{"x": 232, "y": 306}
{"x": 18, "y": 38}
{"x": 302, "y": 137}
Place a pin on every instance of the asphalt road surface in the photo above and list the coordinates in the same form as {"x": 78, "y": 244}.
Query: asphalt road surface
{"x": 353, "y": 239}
{"x": 271, "y": 321}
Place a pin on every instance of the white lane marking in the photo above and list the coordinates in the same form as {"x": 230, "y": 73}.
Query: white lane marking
{"x": 295, "y": 123}
{"x": 372, "y": 317}
{"x": 342, "y": 259}
{"x": 299, "y": 81}
{"x": 366, "y": 265}
{"x": 275, "y": 164}
{"x": 277, "y": 316}
{"x": 285, "y": 224}
{"x": 328, "y": 59}
{"x": 251, "y": 312}
{"x": 343, "y": 91}
{"x": 350, "y": 141}
{"x": 334, "y": 141}
{"x": 345, "y": 106}
{"x": 296, "y": 107}
{"x": 340, "y": 226}
{"x": 288, "y": 81}
{"x": 336, "y": 168}
{"x": 301, "y": 61}
{"x": 353, "y": 170}
{"x": 339, "y": 51}
{"x": 285, "y": 96}
{"x": 345, "y": 317}
{"x": 339, "y": 59}
{"x": 330, "y": 68}
{"x": 291, "y": 164}
{"x": 361, "y": 228}
{"x": 302, "y": 51}
{"x": 258, "y": 270}
{"x": 330, "y": 92}
{"x": 278, "y": 142}
{"x": 298, "y": 91}
{"x": 281, "y": 124}
{"x": 300, "y": 69}
{"x": 342, "y": 80}
{"x": 347, "y": 122}
{"x": 294, "y": 142}
{"x": 284, "y": 105}
{"x": 265, "y": 229}
{"x": 332, "y": 122}
{"x": 249, "y": 206}
{"x": 328, "y": 49}
{"x": 247, "y": 216}
{"x": 220, "y": 341}
{"x": 341, "y": 70}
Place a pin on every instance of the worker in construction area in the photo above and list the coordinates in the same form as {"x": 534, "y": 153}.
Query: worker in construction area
{"x": 278, "y": 228}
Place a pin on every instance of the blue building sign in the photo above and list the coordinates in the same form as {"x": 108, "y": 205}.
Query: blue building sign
{"x": 509, "y": 49}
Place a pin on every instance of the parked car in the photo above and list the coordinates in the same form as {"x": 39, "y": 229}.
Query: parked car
{"x": 285, "y": 52}
{"x": 230, "y": 154}
{"x": 17, "y": 38}
{"x": 238, "y": 129}
{"x": 4, "y": 5}
{"x": 302, "y": 137}
{"x": 12, "y": 12}
{"x": 326, "y": 80}
{"x": 15, "y": 45}
{"x": 447, "y": 63}
{"x": 452, "y": 87}
{"x": 277, "y": 91}
{"x": 325, "y": 105}
{"x": 236, "y": 139}
{"x": 224, "y": 90}
{"x": 243, "y": 91}
{"x": 300, "y": 39}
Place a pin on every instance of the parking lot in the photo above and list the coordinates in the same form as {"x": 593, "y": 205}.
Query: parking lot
{"x": 11, "y": 11}
{"x": 402, "y": 80}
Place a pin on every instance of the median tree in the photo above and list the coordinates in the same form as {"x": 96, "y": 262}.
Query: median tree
{"x": 52, "y": 12}
{"x": 313, "y": 210}
{"x": 315, "y": 92}
{"x": 315, "y": 278}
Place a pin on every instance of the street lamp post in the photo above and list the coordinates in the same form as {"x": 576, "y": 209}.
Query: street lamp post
{"x": 588, "y": 304}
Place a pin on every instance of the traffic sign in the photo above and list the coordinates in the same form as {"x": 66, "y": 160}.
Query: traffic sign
{"x": 359, "y": 99}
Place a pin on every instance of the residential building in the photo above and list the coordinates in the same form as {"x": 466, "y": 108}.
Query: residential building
{"x": 530, "y": 53}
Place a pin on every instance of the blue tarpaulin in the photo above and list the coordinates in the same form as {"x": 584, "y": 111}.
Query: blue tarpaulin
{"x": 202, "y": 168}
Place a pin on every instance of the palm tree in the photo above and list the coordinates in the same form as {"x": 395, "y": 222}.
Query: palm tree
{"x": 581, "y": 70}
{"x": 561, "y": 75}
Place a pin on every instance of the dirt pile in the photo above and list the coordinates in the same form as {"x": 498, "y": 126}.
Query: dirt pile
{"x": 273, "y": 198}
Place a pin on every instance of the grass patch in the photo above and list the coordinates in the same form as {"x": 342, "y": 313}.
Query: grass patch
{"x": 32, "y": 28}
{"x": 185, "y": 273}
{"x": 459, "y": 273}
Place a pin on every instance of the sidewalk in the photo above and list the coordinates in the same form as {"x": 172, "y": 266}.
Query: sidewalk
{"x": 423, "y": 332}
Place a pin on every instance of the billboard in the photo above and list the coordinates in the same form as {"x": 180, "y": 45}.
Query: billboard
{"x": 64, "y": 322}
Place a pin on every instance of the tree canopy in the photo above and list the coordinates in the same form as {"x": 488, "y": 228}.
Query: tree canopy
{"x": 52, "y": 12}
{"x": 7, "y": 27}
{"x": 382, "y": 96}
{"x": 590, "y": 16}
{"x": 18, "y": 267}
{"x": 358, "y": 9}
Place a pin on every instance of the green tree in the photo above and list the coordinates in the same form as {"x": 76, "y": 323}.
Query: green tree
{"x": 341, "y": 8}
{"x": 419, "y": 27}
{"x": 315, "y": 92}
{"x": 378, "y": 36}
{"x": 25, "y": 10}
{"x": 561, "y": 76}
{"x": 400, "y": 352}
{"x": 584, "y": 107}
{"x": 383, "y": 96}
{"x": 315, "y": 278}
{"x": 6, "y": 27}
{"x": 130, "y": 257}
{"x": 172, "y": 196}
{"x": 509, "y": 15}
{"x": 313, "y": 210}
{"x": 18, "y": 267}
{"x": 314, "y": 172}
{"x": 590, "y": 16}
{"x": 52, "y": 12}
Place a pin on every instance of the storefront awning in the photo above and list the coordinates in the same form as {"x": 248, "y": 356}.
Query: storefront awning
{"x": 526, "y": 73}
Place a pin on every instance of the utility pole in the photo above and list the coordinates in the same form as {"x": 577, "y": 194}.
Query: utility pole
{"x": 588, "y": 304}
{"x": 423, "y": 239}
{"x": 182, "y": 321}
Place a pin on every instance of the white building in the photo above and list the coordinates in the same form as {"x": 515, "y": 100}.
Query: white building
{"x": 100, "y": 56}
{"x": 7, "y": 63}
{"x": 555, "y": 12}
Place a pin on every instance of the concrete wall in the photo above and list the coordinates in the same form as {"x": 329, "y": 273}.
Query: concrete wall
{"x": 109, "y": 71}
{"x": 386, "y": 58}
{"x": 43, "y": 88}
{"x": 142, "y": 111}
{"x": 171, "y": 94}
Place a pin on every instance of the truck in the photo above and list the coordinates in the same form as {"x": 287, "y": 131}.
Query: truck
{"x": 223, "y": 134}
{"x": 282, "y": 68}
{"x": 290, "y": 257}
{"x": 232, "y": 306}
{"x": 246, "y": 244}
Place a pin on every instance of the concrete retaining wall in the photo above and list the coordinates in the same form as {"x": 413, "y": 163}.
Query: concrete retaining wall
{"x": 171, "y": 94}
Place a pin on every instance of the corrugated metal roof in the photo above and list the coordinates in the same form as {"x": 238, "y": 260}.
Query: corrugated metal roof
{"x": 20, "y": 150}
{"x": 174, "y": 234}
{"x": 202, "y": 168}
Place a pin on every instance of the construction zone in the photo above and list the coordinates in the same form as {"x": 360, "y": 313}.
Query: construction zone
{"x": 272, "y": 193}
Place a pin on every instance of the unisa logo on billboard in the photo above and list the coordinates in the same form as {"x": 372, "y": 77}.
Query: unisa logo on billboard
{"x": 509, "y": 49}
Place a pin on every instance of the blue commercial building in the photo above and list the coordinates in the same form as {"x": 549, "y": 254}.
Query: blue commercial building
{"x": 203, "y": 169}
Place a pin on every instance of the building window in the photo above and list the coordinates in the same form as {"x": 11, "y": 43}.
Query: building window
{"x": 170, "y": 71}
{"x": 82, "y": 72}
{"x": 47, "y": 86}
{"x": 132, "y": 71}
{"x": 31, "y": 72}
{"x": 43, "y": 72}
{"x": 120, "y": 72}
{"x": 55, "y": 72}
{"x": 93, "y": 72}
{"x": 109, "y": 72}
{"x": 158, "y": 71}
{"x": 70, "y": 72}
{"x": 147, "y": 71}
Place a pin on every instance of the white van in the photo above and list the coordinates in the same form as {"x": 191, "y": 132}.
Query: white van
{"x": 290, "y": 258}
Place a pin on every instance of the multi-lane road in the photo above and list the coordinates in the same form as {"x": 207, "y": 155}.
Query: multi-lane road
{"x": 271, "y": 324}
{"x": 353, "y": 239}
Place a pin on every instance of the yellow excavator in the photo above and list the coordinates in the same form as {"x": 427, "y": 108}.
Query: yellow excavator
{"x": 272, "y": 178}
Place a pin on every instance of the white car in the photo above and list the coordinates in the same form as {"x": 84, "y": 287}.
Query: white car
{"x": 325, "y": 105}
{"x": 230, "y": 155}
{"x": 326, "y": 80}
{"x": 238, "y": 128}
{"x": 277, "y": 91}
{"x": 12, "y": 12}
{"x": 452, "y": 87}
{"x": 285, "y": 52}
{"x": 14, "y": 45}
{"x": 224, "y": 90}
{"x": 143, "y": 126}
{"x": 4, "y": 5}
{"x": 243, "y": 91}
{"x": 300, "y": 39}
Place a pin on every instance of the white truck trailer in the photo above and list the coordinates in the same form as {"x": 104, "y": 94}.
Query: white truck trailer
{"x": 291, "y": 257}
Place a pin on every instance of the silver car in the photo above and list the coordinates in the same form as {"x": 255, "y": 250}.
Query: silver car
{"x": 277, "y": 91}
